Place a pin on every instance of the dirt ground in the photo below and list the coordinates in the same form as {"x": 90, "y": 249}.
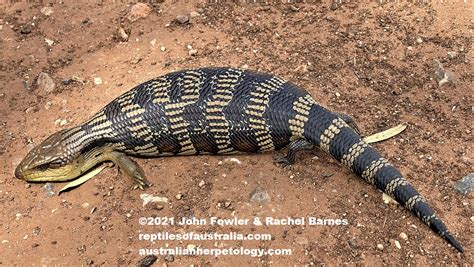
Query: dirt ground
{"x": 372, "y": 61}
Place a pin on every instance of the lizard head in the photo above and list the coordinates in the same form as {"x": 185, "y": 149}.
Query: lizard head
{"x": 50, "y": 161}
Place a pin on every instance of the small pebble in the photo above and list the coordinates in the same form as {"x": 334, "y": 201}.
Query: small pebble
{"x": 352, "y": 243}
{"x": 403, "y": 236}
{"x": 97, "y": 81}
{"x": 202, "y": 183}
{"x": 191, "y": 247}
{"x": 169, "y": 258}
{"x": 192, "y": 52}
{"x": 147, "y": 261}
{"x": 194, "y": 14}
{"x": 48, "y": 188}
{"x": 452, "y": 54}
{"x": 465, "y": 185}
{"x": 162, "y": 48}
{"x": 235, "y": 160}
{"x": 45, "y": 82}
{"x": 179, "y": 196}
{"x": 47, "y": 11}
{"x": 419, "y": 40}
{"x": 472, "y": 218}
{"x": 26, "y": 29}
{"x": 30, "y": 110}
{"x": 397, "y": 244}
{"x": 182, "y": 19}
{"x": 49, "y": 41}
{"x": 138, "y": 11}
{"x": 442, "y": 75}
{"x": 147, "y": 198}
{"x": 60, "y": 122}
{"x": 260, "y": 196}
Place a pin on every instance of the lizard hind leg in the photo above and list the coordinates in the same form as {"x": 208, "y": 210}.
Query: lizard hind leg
{"x": 349, "y": 120}
{"x": 131, "y": 168}
{"x": 293, "y": 148}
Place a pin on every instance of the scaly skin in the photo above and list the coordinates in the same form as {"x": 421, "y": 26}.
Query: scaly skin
{"x": 217, "y": 111}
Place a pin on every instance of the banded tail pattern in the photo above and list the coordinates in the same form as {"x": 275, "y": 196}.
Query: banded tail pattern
{"x": 336, "y": 137}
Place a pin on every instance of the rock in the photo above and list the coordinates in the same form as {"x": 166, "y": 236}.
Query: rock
{"x": 452, "y": 54}
{"x": 47, "y": 11}
{"x": 60, "y": 122}
{"x": 162, "y": 48}
{"x": 147, "y": 198}
{"x": 466, "y": 184}
{"x": 182, "y": 19}
{"x": 397, "y": 244}
{"x": 260, "y": 196}
{"x": 202, "y": 183}
{"x": 49, "y": 42}
{"x": 97, "y": 81}
{"x": 442, "y": 76}
{"x": 169, "y": 258}
{"x": 388, "y": 199}
{"x": 403, "y": 236}
{"x": 179, "y": 196}
{"x": 123, "y": 35}
{"x": 45, "y": 82}
{"x": 419, "y": 40}
{"x": 192, "y": 52}
{"x": 30, "y": 110}
{"x": 48, "y": 188}
{"x": 235, "y": 160}
{"x": 472, "y": 218}
{"x": 379, "y": 246}
{"x": 26, "y": 29}
{"x": 147, "y": 261}
{"x": 138, "y": 11}
{"x": 352, "y": 243}
{"x": 194, "y": 14}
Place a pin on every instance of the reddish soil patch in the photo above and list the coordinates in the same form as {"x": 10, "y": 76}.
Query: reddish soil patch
{"x": 371, "y": 61}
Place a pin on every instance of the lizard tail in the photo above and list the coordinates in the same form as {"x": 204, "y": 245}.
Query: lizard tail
{"x": 334, "y": 136}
